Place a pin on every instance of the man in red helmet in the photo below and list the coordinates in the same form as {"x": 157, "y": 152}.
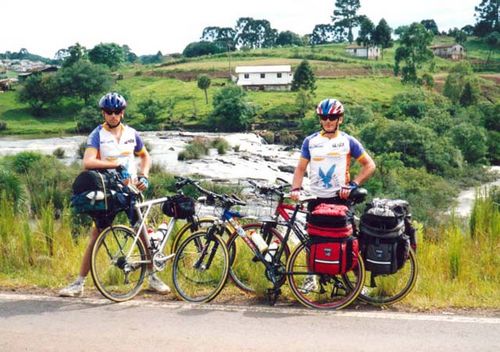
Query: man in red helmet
{"x": 328, "y": 154}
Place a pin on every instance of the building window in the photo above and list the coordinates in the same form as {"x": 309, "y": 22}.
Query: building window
{"x": 279, "y": 75}
{"x": 246, "y": 75}
{"x": 262, "y": 75}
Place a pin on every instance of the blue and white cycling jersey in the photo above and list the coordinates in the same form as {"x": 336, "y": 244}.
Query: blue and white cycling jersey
{"x": 123, "y": 150}
{"x": 329, "y": 161}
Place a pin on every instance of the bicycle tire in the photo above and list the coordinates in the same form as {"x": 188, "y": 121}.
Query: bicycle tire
{"x": 332, "y": 292}
{"x": 116, "y": 277}
{"x": 391, "y": 288}
{"x": 186, "y": 231}
{"x": 245, "y": 269}
{"x": 200, "y": 268}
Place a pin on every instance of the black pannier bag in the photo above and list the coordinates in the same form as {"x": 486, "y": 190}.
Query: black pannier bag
{"x": 179, "y": 207}
{"x": 98, "y": 193}
{"x": 383, "y": 236}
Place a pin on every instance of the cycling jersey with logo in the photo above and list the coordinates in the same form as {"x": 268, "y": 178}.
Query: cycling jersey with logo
{"x": 123, "y": 151}
{"x": 329, "y": 161}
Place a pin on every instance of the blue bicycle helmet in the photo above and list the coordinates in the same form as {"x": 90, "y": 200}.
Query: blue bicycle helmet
{"x": 112, "y": 101}
{"x": 330, "y": 107}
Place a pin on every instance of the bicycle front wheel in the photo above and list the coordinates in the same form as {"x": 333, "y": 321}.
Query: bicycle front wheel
{"x": 118, "y": 263}
{"x": 200, "y": 267}
{"x": 391, "y": 288}
{"x": 189, "y": 228}
{"x": 322, "y": 291}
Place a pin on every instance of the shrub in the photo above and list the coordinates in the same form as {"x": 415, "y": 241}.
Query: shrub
{"x": 287, "y": 138}
{"x": 81, "y": 149}
{"x": 59, "y": 153}
{"x": 3, "y": 125}
{"x": 268, "y": 136}
{"x": 24, "y": 161}
{"x": 88, "y": 118}
{"x": 221, "y": 144}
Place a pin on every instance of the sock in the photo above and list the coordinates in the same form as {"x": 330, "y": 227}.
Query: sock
{"x": 80, "y": 280}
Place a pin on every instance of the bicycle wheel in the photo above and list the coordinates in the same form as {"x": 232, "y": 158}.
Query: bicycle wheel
{"x": 188, "y": 229}
{"x": 246, "y": 269}
{"x": 200, "y": 267}
{"x": 118, "y": 265}
{"x": 330, "y": 291}
{"x": 389, "y": 289}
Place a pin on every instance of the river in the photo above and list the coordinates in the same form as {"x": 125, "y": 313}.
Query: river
{"x": 254, "y": 159}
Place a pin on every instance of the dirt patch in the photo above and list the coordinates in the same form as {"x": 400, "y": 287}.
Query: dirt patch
{"x": 237, "y": 298}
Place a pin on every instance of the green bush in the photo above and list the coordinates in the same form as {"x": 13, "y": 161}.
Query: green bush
{"x": 268, "y": 136}
{"x": 24, "y": 161}
{"x": 3, "y": 125}
{"x": 221, "y": 145}
{"x": 59, "y": 153}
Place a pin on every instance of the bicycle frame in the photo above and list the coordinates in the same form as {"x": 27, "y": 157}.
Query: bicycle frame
{"x": 141, "y": 228}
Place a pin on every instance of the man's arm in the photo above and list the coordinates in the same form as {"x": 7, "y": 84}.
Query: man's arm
{"x": 145, "y": 163}
{"x": 298, "y": 176}
{"x": 367, "y": 169}
{"x": 90, "y": 161}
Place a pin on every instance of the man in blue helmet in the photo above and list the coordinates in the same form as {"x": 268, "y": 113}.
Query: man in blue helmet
{"x": 328, "y": 154}
{"x": 113, "y": 145}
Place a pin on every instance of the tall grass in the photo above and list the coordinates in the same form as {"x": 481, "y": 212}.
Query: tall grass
{"x": 460, "y": 265}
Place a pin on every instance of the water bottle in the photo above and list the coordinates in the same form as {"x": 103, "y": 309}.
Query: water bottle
{"x": 258, "y": 241}
{"x": 157, "y": 236}
{"x": 271, "y": 251}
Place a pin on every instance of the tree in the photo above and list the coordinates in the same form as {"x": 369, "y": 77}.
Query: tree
{"x": 487, "y": 17}
{"x": 413, "y": 51}
{"x": 109, "y": 54}
{"x": 468, "y": 29}
{"x": 303, "y": 101}
{"x": 152, "y": 110}
{"x": 492, "y": 40}
{"x": 288, "y": 38}
{"x": 303, "y": 78}
{"x": 84, "y": 79}
{"x": 128, "y": 54}
{"x": 204, "y": 84}
{"x": 460, "y": 37}
{"x": 231, "y": 112}
{"x": 40, "y": 91}
{"x": 345, "y": 18}
{"x": 223, "y": 37}
{"x": 382, "y": 35}
{"x": 253, "y": 33}
{"x": 430, "y": 25}
{"x": 76, "y": 53}
{"x": 459, "y": 76}
{"x": 366, "y": 31}
{"x": 322, "y": 34}
{"x": 471, "y": 140}
{"x": 201, "y": 48}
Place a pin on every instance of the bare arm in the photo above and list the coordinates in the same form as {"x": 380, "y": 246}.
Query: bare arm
{"x": 90, "y": 161}
{"x": 145, "y": 163}
{"x": 298, "y": 176}
{"x": 367, "y": 169}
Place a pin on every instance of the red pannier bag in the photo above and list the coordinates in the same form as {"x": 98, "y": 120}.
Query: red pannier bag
{"x": 333, "y": 250}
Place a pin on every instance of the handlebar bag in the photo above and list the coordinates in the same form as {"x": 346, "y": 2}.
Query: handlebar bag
{"x": 179, "y": 207}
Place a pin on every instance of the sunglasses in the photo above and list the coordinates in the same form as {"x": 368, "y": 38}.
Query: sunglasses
{"x": 330, "y": 117}
{"x": 111, "y": 112}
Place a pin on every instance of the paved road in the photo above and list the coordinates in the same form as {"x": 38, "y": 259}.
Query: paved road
{"x": 41, "y": 323}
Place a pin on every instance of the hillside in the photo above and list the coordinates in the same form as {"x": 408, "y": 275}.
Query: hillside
{"x": 352, "y": 80}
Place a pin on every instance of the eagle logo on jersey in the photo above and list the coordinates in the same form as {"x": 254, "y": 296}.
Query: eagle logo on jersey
{"x": 327, "y": 178}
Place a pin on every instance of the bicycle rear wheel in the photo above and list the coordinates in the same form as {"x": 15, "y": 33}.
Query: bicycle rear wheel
{"x": 117, "y": 275}
{"x": 246, "y": 270}
{"x": 200, "y": 267}
{"x": 330, "y": 291}
{"x": 389, "y": 289}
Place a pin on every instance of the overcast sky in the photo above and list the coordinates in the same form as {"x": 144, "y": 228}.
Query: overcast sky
{"x": 146, "y": 26}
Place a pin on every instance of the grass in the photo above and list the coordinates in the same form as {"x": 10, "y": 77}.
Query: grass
{"x": 459, "y": 266}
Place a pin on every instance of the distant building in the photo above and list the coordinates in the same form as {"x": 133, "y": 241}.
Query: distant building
{"x": 46, "y": 69}
{"x": 273, "y": 77}
{"x": 452, "y": 51}
{"x": 367, "y": 52}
